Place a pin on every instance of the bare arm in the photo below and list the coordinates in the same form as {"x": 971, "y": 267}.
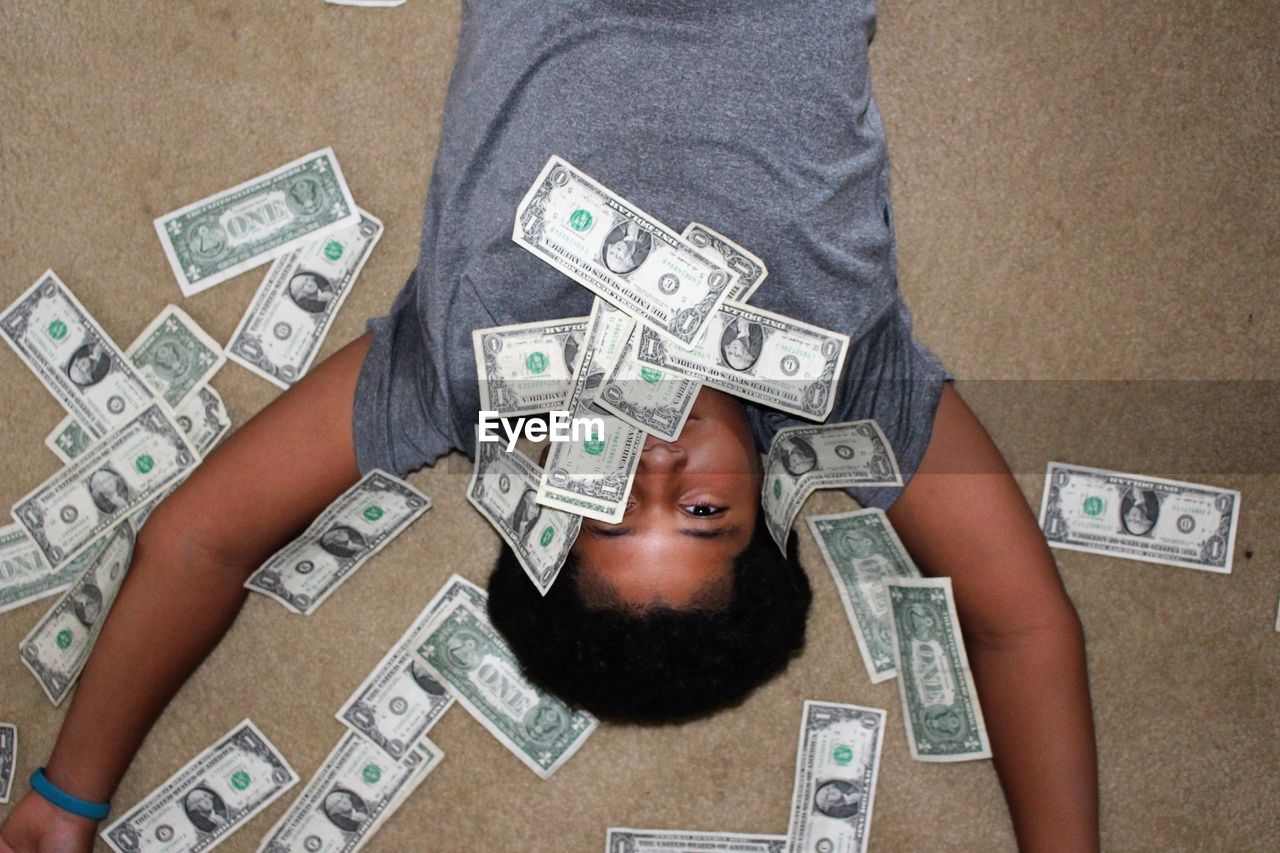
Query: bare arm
{"x": 184, "y": 587}
{"x": 963, "y": 515}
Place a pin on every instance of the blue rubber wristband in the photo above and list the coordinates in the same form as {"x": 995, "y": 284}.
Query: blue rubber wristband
{"x": 60, "y": 798}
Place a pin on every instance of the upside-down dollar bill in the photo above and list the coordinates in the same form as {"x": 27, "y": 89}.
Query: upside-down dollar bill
{"x": 861, "y": 549}
{"x": 55, "y": 650}
{"x": 23, "y": 575}
{"x": 76, "y": 360}
{"x": 750, "y": 270}
{"x": 109, "y": 482}
{"x": 619, "y": 252}
{"x": 591, "y": 475}
{"x": 837, "y": 764}
{"x": 527, "y": 368}
{"x": 295, "y": 305}
{"x": 1139, "y": 518}
{"x": 8, "y": 758}
{"x": 503, "y": 488}
{"x": 654, "y": 399}
{"x": 175, "y": 356}
{"x": 621, "y": 840}
{"x": 212, "y": 796}
{"x": 222, "y": 235}
{"x": 400, "y": 701}
{"x": 765, "y": 357}
{"x": 464, "y": 651}
{"x": 349, "y": 797}
{"x": 357, "y": 525}
{"x": 805, "y": 458}
{"x": 939, "y": 700}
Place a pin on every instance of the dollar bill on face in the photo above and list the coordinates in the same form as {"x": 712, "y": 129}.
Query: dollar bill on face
{"x": 751, "y": 271}
{"x": 619, "y": 252}
{"x": 175, "y": 356}
{"x": 655, "y": 399}
{"x": 758, "y": 355}
{"x": 465, "y": 652}
{"x": 837, "y": 765}
{"x": 57, "y": 647}
{"x": 622, "y": 840}
{"x": 349, "y": 797}
{"x": 109, "y": 482}
{"x": 212, "y": 796}
{"x": 939, "y": 700}
{"x": 400, "y": 701}
{"x": 1139, "y": 518}
{"x": 295, "y": 306}
{"x": 527, "y": 368}
{"x": 23, "y": 576}
{"x": 8, "y": 758}
{"x": 357, "y": 525}
{"x": 84, "y": 370}
{"x": 591, "y": 474}
{"x": 804, "y": 458}
{"x": 504, "y": 488}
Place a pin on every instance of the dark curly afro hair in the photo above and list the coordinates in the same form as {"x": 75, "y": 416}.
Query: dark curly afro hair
{"x": 656, "y": 664}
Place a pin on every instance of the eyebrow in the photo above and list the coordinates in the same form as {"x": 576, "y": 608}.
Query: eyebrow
{"x": 722, "y": 532}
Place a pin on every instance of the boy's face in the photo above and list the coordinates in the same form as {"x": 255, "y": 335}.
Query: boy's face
{"x": 692, "y": 510}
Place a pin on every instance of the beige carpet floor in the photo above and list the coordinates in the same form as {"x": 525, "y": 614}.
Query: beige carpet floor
{"x": 1086, "y": 207}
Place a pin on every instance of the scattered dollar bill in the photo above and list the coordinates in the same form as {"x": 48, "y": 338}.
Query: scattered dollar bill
{"x": 175, "y": 356}
{"x": 503, "y": 488}
{"x": 681, "y": 841}
{"x": 654, "y": 399}
{"x": 750, "y": 270}
{"x": 347, "y": 800}
{"x": 400, "y": 701}
{"x": 1139, "y": 518}
{"x": 939, "y": 700}
{"x": 805, "y": 458}
{"x": 295, "y": 306}
{"x": 225, "y": 234}
{"x": 527, "y": 368}
{"x": 861, "y": 549}
{"x": 76, "y": 360}
{"x": 8, "y": 758}
{"x": 619, "y": 252}
{"x": 592, "y": 475}
{"x": 352, "y": 529}
{"x": 216, "y": 793}
{"x": 23, "y": 575}
{"x": 109, "y": 482}
{"x": 465, "y": 652}
{"x": 837, "y": 764}
{"x": 764, "y": 357}
{"x": 57, "y": 647}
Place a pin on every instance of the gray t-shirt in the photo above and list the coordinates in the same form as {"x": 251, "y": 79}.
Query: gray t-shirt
{"x": 752, "y": 116}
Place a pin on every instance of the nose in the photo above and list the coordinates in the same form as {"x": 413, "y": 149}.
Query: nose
{"x": 661, "y": 457}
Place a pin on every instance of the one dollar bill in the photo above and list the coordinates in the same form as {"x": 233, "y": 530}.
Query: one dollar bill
{"x": 621, "y": 840}
{"x": 23, "y": 576}
{"x": 837, "y": 766}
{"x": 223, "y": 235}
{"x": 359, "y": 524}
{"x": 528, "y": 368}
{"x": 1139, "y": 518}
{"x": 465, "y": 652}
{"x": 620, "y": 253}
{"x": 939, "y": 700}
{"x": 861, "y": 550}
{"x": 8, "y": 758}
{"x": 216, "y": 793}
{"x": 657, "y": 400}
{"x": 175, "y": 356}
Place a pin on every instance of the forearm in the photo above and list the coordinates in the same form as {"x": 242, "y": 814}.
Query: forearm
{"x": 1034, "y": 690}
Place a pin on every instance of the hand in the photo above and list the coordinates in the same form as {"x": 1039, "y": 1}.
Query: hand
{"x": 38, "y": 826}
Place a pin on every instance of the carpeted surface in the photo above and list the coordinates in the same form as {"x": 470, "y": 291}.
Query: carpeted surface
{"x": 1084, "y": 192}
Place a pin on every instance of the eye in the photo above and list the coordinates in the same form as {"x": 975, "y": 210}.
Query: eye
{"x": 703, "y": 510}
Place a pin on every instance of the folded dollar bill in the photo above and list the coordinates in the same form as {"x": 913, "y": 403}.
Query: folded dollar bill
{"x": 837, "y": 765}
{"x": 212, "y": 796}
{"x": 527, "y": 368}
{"x": 8, "y": 758}
{"x": 225, "y": 234}
{"x": 174, "y": 356}
{"x": 620, "y": 253}
{"x": 805, "y": 458}
{"x": 939, "y": 700}
{"x": 684, "y": 841}
{"x": 1139, "y": 518}
{"x": 359, "y": 524}
{"x": 861, "y": 550}
{"x": 655, "y": 399}
{"x": 750, "y": 270}
{"x": 23, "y": 575}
